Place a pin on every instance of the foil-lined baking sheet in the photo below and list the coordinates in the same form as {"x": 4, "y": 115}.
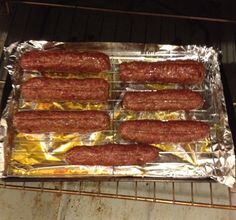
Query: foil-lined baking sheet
{"x": 42, "y": 155}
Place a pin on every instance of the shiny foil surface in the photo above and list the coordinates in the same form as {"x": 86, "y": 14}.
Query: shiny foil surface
{"x": 43, "y": 155}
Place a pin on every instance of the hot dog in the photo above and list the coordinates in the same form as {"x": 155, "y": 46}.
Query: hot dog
{"x": 48, "y": 89}
{"x": 61, "y": 121}
{"x": 65, "y": 61}
{"x": 162, "y": 100}
{"x": 112, "y": 155}
{"x": 184, "y": 72}
{"x": 154, "y": 131}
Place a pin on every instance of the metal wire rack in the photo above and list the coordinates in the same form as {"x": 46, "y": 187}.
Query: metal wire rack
{"x": 188, "y": 193}
{"x": 57, "y": 21}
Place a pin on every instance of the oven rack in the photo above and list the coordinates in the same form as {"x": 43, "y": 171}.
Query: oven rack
{"x": 205, "y": 193}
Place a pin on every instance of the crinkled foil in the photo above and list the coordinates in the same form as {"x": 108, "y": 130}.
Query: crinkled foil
{"x": 42, "y": 155}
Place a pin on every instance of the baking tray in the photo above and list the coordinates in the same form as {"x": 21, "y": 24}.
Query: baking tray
{"x": 212, "y": 165}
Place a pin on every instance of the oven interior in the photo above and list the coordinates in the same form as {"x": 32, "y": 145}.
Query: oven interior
{"x": 210, "y": 23}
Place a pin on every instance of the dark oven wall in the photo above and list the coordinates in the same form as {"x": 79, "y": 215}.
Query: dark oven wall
{"x": 42, "y": 22}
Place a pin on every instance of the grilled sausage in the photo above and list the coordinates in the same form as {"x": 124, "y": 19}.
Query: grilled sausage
{"x": 48, "y": 89}
{"x": 65, "y": 61}
{"x": 154, "y": 131}
{"x": 61, "y": 121}
{"x": 162, "y": 100}
{"x": 184, "y": 72}
{"x": 112, "y": 155}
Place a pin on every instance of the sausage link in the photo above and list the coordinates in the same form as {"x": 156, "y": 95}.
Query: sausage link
{"x": 48, "y": 89}
{"x": 184, "y": 72}
{"x": 155, "y": 132}
{"x": 162, "y": 100}
{"x": 112, "y": 155}
{"x": 61, "y": 121}
{"x": 65, "y": 61}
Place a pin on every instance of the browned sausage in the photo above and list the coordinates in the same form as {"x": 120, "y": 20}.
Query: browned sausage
{"x": 65, "y": 61}
{"x": 112, "y": 155}
{"x": 61, "y": 121}
{"x": 162, "y": 100}
{"x": 154, "y": 131}
{"x": 48, "y": 89}
{"x": 184, "y": 72}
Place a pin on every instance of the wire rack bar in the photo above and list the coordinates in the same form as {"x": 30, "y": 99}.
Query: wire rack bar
{"x": 164, "y": 15}
{"x": 192, "y": 198}
{"x": 117, "y": 195}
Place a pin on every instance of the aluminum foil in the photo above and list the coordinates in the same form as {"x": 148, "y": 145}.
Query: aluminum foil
{"x": 42, "y": 155}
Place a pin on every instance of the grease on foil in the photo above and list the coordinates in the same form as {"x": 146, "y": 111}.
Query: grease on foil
{"x": 35, "y": 149}
{"x": 186, "y": 152}
{"x": 61, "y": 171}
{"x": 62, "y": 105}
{"x": 43, "y": 155}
